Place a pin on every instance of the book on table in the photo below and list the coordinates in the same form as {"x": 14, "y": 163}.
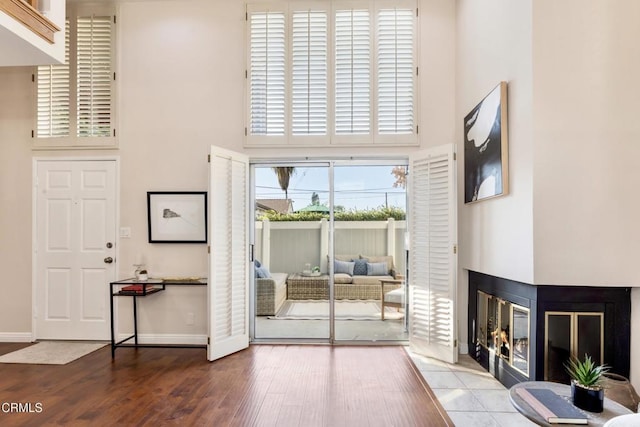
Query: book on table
{"x": 137, "y": 289}
{"x": 552, "y": 407}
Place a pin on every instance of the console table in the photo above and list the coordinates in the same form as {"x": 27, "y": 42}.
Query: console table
{"x": 157, "y": 285}
{"x": 611, "y": 409}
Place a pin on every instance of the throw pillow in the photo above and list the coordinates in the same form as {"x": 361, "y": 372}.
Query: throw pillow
{"x": 257, "y": 263}
{"x": 262, "y": 273}
{"x": 380, "y": 258}
{"x": 360, "y": 267}
{"x": 345, "y": 267}
{"x": 377, "y": 269}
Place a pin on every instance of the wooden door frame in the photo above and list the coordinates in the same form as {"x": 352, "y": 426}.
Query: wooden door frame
{"x": 34, "y": 217}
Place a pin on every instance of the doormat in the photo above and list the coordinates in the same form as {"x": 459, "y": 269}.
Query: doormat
{"x": 51, "y": 352}
{"x": 344, "y": 310}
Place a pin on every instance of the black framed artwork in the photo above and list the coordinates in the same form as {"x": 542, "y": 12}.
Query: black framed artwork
{"x": 177, "y": 217}
{"x": 486, "y": 147}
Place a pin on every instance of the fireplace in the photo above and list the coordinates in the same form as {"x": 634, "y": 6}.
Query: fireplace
{"x": 522, "y": 332}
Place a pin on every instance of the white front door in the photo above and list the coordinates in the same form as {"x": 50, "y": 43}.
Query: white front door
{"x": 74, "y": 241}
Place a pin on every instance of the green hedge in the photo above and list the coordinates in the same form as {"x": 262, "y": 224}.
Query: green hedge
{"x": 380, "y": 214}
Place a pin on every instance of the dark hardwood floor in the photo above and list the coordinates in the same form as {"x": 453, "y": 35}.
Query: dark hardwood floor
{"x": 265, "y": 385}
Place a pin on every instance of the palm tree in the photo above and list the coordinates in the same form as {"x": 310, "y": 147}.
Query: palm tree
{"x": 284, "y": 174}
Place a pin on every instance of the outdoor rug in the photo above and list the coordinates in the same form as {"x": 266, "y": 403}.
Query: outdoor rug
{"x": 51, "y": 352}
{"x": 344, "y": 310}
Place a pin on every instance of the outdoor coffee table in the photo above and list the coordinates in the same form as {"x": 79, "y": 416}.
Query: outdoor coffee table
{"x": 300, "y": 287}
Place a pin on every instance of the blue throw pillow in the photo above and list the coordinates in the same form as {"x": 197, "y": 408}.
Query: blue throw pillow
{"x": 344, "y": 267}
{"x": 360, "y": 267}
{"x": 377, "y": 269}
{"x": 257, "y": 263}
{"x": 262, "y": 273}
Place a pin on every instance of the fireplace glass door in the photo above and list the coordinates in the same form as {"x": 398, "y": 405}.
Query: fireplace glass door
{"x": 571, "y": 334}
{"x": 503, "y": 329}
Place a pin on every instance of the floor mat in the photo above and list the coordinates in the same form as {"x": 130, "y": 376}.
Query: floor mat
{"x": 344, "y": 310}
{"x": 51, "y": 352}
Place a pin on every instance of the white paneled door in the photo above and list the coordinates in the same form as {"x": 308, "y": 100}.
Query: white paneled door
{"x": 432, "y": 253}
{"x": 74, "y": 242}
{"x": 228, "y": 289}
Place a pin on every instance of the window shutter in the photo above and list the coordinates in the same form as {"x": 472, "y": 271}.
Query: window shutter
{"x": 94, "y": 76}
{"x": 267, "y": 73}
{"x": 309, "y": 73}
{"x": 352, "y": 72}
{"x": 432, "y": 262}
{"x": 395, "y": 71}
{"x": 228, "y": 289}
{"x": 53, "y": 97}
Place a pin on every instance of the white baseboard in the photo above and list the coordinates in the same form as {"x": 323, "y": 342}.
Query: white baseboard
{"x": 15, "y": 337}
{"x": 166, "y": 339}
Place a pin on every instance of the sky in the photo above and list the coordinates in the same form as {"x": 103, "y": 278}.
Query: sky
{"x": 356, "y": 187}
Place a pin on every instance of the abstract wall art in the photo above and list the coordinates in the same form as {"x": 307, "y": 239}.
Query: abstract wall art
{"x": 486, "y": 147}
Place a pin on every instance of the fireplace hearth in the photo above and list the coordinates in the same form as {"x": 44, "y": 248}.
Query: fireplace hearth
{"x": 521, "y": 332}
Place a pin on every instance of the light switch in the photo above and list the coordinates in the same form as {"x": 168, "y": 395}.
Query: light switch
{"x": 125, "y": 232}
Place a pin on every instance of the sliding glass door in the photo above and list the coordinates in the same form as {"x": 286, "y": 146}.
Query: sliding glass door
{"x": 291, "y": 285}
{"x": 329, "y": 245}
{"x": 370, "y": 255}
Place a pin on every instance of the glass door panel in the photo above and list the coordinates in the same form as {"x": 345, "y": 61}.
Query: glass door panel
{"x": 370, "y": 253}
{"x": 590, "y": 336}
{"x": 291, "y": 247}
{"x": 557, "y": 346}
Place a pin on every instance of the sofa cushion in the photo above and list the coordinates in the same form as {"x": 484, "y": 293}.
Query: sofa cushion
{"x": 395, "y": 296}
{"x": 342, "y": 278}
{"x": 369, "y": 280}
{"x": 377, "y": 268}
{"x": 343, "y": 267}
{"x": 360, "y": 267}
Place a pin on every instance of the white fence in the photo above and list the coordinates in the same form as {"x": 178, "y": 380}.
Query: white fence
{"x": 288, "y": 246}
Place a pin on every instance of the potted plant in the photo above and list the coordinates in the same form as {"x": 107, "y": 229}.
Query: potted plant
{"x": 587, "y": 391}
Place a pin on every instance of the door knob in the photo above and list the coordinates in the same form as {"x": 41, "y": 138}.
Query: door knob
{"x": 108, "y": 260}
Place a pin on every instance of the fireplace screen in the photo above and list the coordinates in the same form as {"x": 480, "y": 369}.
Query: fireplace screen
{"x": 571, "y": 334}
{"x": 503, "y": 329}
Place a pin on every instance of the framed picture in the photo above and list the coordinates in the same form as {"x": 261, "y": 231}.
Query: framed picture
{"x": 486, "y": 147}
{"x": 177, "y": 217}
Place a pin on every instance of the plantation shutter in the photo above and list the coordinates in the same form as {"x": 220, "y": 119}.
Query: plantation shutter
{"x": 228, "y": 290}
{"x": 432, "y": 259}
{"x": 309, "y": 73}
{"x": 94, "y": 76}
{"x": 395, "y": 70}
{"x": 352, "y": 72}
{"x": 52, "y": 93}
{"x": 267, "y": 62}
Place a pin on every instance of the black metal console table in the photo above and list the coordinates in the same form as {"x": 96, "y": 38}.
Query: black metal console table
{"x": 147, "y": 287}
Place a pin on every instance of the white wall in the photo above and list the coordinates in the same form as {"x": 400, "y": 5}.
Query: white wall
{"x": 587, "y": 97}
{"x": 15, "y": 202}
{"x": 180, "y": 72}
{"x": 494, "y": 44}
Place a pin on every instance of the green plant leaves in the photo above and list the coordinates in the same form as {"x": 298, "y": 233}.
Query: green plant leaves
{"x": 380, "y": 214}
{"x": 586, "y": 372}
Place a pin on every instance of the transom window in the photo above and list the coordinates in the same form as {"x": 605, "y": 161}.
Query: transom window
{"x": 337, "y": 72}
{"x": 75, "y": 100}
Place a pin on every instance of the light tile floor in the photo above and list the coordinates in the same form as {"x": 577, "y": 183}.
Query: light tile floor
{"x": 470, "y": 395}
